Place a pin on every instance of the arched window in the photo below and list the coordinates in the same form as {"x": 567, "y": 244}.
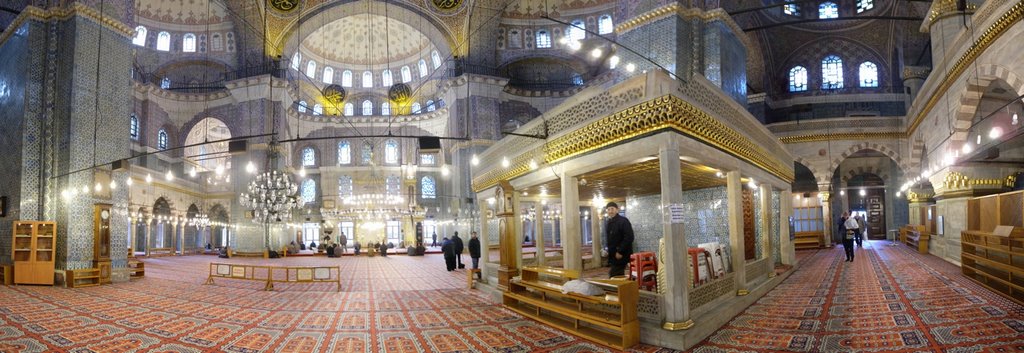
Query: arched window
{"x": 385, "y": 78}
{"x": 543, "y": 39}
{"x": 133, "y": 127}
{"x": 344, "y": 186}
{"x": 311, "y": 69}
{"x": 422, "y": 65}
{"x": 828, "y": 10}
{"x": 391, "y": 152}
{"x": 161, "y": 140}
{"x": 188, "y": 43}
{"x": 165, "y": 83}
{"x": 296, "y": 59}
{"x": 791, "y": 9}
{"x": 436, "y": 58}
{"x": 575, "y": 32}
{"x": 367, "y": 154}
{"x": 216, "y": 42}
{"x": 308, "y": 191}
{"x": 406, "y": 74}
{"x": 350, "y": 110}
{"x": 140, "y": 36}
{"x": 393, "y": 185}
{"x": 367, "y": 79}
{"x": 416, "y": 107}
{"x": 367, "y": 107}
{"x": 346, "y": 78}
{"x": 328, "y": 75}
{"x": 430, "y": 106}
{"x": 577, "y": 79}
{"x": 604, "y": 24}
{"x": 302, "y": 107}
{"x": 428, "y": 189}
{"x": 308, "y": 157}
{"x": 864, "y": 5}
{"x": 385, "y": 108}
{"x": 831, "y": 72}
{"x": 163, "y": 41}
{"x": 868, "y": 74}
{"x": 318, "y": 109}
{"x": 344, "y": 153}
{"x": 797, "y": 79}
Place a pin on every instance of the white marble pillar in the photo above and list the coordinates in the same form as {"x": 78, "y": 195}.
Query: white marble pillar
{"x": 485, "y": 240}
{"x": 786, "y": 248}
{"x": 132, "y": 233}
{"x": 149, "y": 234}
{"x": 767, "y": 225}
{"x": 677, "y": 301}
{"x": 572, "y": 237}
{"x": 596, "y": 236}
{"x": 826, "y": 217}
{"x": 739, "y": 263}
{"x": 538, "y": 236}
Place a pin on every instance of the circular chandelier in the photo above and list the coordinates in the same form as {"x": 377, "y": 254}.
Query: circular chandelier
{"x": 271, "y": 196}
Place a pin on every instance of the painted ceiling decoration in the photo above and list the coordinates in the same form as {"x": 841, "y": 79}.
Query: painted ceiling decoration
{"x": 183, "y": 12}
{"x": 366, "y": 39}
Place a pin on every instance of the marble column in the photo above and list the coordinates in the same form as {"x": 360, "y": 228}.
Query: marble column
{"x": 739, "y": 264}
{"x": 596, "y": 235}
{"x": 677, "y": 301}
{"x": 572, "y": 238}
{"x": 132, "y": 233}
{"x": 786, "y": 248}
{"x": 149, "y": 233}
{"x": 767, "y": 224}
{"x": 538, "y": 236}
{"x": 826, "y": 217}
{"x": 485, "y": 240}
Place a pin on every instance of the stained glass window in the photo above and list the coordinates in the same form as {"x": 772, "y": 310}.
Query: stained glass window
{"x": 163, "y": 41}
{"x": 391, "y": 152}
{"x": 797, "y": 79}
{"x": 427, "y": 188}
{"x": 318, "y": 109}
{"x": 344, "y": 153}
{"x": 367, "y": 79}
{"x": 605, "y": 25}
{"x": 346, "y": 78}
{"x": 296, "y": 59}
{"x": 393, "y": 185}
{"x": 140, "y": 36}
{"x": 328, "y": 75}
{"x": 344, "y": 186}
{"x": 576, "y": 31}
{"x": 350, "y": 109}
{"x": 133, "y": 127}
{"x": 308, "y": 191}
{"x": 406, "y": 74}
{"x": 311, "y": 69}
{"x": 367, "y": 152}
{"x": 543, "y": 39}
{"x": 828, "y": 10}
{"x": 422, "y": 66}
{"x": 436, "y": 58}
{"x": 386, "y": 78}
{"x": 188, "y": 43}
{"x": 308, "y": 157}
{"x": 301, "y": 107}
{"x": 385, "y": 108}
{"x": 831, "y": 72}
{"x": 868, "y": 74}
{"x": 791, "y": 9}
{"x": 367, "y": 107}
{"x": 161, "y": 140}
{"x": 864, "y": 5}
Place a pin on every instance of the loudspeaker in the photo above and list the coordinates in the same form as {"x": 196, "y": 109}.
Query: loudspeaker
{"x": 430, "y": 144}
{"x": 238, "y": 146}
{"x": 119, "y": 165}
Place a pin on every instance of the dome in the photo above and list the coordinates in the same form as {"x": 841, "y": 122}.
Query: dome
{"x": 367, "y": 39}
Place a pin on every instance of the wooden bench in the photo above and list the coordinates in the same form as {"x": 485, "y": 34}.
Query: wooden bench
{"x": 807, "y": 240}
{"x": 471, "y": 277}
{"x": 86, "y": 277}
{"x": 154, "y": 252}
{"x": 136, "y": 268}
{"x": 609, "y": 319}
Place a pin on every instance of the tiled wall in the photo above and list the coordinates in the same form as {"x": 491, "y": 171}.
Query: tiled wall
{"x": 644, "y": 212}
{"x": 725, "y": 61}
{"x": 706, "y": 211}
{"x": 777, "y": 224}
{"x": 12, "y": 109}
{"x": 759, "y": 231}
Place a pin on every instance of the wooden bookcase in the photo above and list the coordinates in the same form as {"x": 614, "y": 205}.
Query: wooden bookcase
{"x": 917, "y": 238}
{"x": 995, "y": 261}
{"x": 808, "y": 227}
{"x": 609, "y": 319}
{"x": 34, "y": 246}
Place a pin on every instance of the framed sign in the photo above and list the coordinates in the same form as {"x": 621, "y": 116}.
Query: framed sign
{"x": 322, "y": 273}
{"x": 304, "y": 274}
{"x": 238, "y": 271}
{"x": 223, "y": 270}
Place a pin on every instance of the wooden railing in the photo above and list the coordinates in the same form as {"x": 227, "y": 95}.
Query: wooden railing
{"x": 291, "y": 274}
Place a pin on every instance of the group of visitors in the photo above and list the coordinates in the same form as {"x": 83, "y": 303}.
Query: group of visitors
{"x": 851, "y": 229}
{"x": 453, "y": 249}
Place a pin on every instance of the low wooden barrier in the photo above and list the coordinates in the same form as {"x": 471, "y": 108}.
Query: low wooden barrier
{"x": 153, "y": 252}
{"x": 291, "y": 274}
{"x": 264, "y": 254}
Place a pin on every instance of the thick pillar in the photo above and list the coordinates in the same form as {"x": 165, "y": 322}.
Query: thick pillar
{"x": 596, "y": 235}
{"x": 786, "y": 248}
{"x": 572, "y": 238}
{"x": 179, "y": 236}
{"x": 132, "y": 233}
{"x": 739, "y": 264}
{"x": 485, "y": 240}
{"x": 518, "y": 231}
{"x": 149, "y": 233}
{"x": 508, "y": 240}
{"x": 767, "y": 225}
{"x": 677, "y": 301}
{"x": 826, "y": 217}
{"x": 538, "y": 236}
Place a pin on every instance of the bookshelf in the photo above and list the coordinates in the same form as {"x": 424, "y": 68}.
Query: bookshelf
{"x": 33, "y": 252}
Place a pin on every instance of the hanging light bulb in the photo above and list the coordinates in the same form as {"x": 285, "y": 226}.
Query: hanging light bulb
{"x": 899, "y": 194}
{"x": 98, "y": 187}
{"x": 129, "y": 181}
{"x": 613, "y": 62}
{"x": 752, "y": 184}
{"x": 444, "y": 170}
{"x": 149, "y": 179}
{"x": 1013, "y": 121}
{"x": 842, "y": 192}
{"x": 192, "y": 173}
{"x": 169, "y": 176}
{"x": 219, "y": 170}
{"x": 85, "y": 189}
{"x": 302, "y": 172}
{"x": 474, "y": 160}
{"x": 504, "y": 162}
{"x": 533, "y": 164}
{"x": 596, "y": 53}
{"x": 967, "y": 148}
{"x": 250, "y": 167}
{"x": 630, "y": 67}
{"x": 979, "y": 139}
{"x": 995, "y": 133}
{"x": 113, "y": 185}
{"x": 863, "y": 192}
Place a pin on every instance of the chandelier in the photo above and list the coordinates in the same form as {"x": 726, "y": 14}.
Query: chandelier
{"x": 271, "y": 196}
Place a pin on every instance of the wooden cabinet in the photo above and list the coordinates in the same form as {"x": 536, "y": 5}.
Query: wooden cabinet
{"x": 917, "y": 238}
{"x": 33, "y": 247}
{"x": 808, "y": 227}
{"x": 609, "y": 319}
{"x": 995, "y": 261}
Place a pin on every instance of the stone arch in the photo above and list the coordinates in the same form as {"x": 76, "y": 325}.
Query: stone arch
{"x": 811, "y": 166}
{"x": 874, "y": 146}
{"x": 970, "y": 96}
{"x": 863, "y": 170}
{"x": 162, "y": 206}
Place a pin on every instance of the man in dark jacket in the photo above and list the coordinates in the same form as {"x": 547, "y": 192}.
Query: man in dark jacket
{"x": 448, "y": 248}
{"x": 620, "y": 240}
{"x": 474, "y": 252}
{"x": 459, "y": 247}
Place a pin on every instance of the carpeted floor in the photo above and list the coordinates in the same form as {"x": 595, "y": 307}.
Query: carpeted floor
{"x": 394, "y": 304}
{"x": 889, "y": 299}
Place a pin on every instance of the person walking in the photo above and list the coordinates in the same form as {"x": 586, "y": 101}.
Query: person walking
{"x": 448, "y": 249}
{"x": 842, "y": 227}
{"x": 433, "y": 241}
{"x": 859, "y": 236}
{"x": 852, "y": 228}
{"x": 474, "y": 252}
{"x": 459, "y": 247}
{"x": 343, "y": 242}
{"x": 620, "y": 240}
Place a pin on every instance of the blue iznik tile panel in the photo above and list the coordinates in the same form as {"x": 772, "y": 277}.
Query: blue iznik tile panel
{"x": 493, "y": 237}
{"x": 759, "y": 231}
{"x": 707, "y": 216}
{"x": 776, "y": 216}
{"x": 644, "y": 212}
{"x": 12, "y": 108}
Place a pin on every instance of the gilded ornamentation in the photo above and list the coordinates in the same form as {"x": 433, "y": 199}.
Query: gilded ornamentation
{"x": 991, "y": 34}
{"x": 843, "y": 136}
{"x": 335, "y": 94}
{"x": 944, "y": 8}
{"x": 284, "y": 5}
{"x": 915, "y": 197}
{"x": 957, "y": 180}
{"x": 58, "y": 13}
{"x": 447, "y": 5}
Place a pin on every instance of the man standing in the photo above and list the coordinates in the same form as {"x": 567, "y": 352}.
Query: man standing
{"x": 459, "y": 247}
{"x": 448, "y": 248}
{"x": 433, "y": 238}
{"x": 474, "y": 252}
{"x": 620, "y": 240}
{"x": 852, "y": 229}
{"x": 343, "y": 242}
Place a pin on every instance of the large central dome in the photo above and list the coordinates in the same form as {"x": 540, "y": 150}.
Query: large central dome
{"x": 367, "y": 39}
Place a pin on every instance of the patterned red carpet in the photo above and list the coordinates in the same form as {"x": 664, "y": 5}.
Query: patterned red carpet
{"x": 394, "y": 304}
{"x": 889, "y": 299}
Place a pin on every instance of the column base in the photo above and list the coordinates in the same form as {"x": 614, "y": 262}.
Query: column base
{"x": 676, "y": 326}
{"x": 505, "y": 277}
{"x": 742, "y": 292}
{"x": 772, "y": 274}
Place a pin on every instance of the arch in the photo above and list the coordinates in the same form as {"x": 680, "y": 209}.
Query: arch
{"x": 296, "y": 60}
{"x": 140, "y": 36}
{"x": 208, "y": 155}
{"x": 346, "y": 78}
{"x": 805, "y": 181}
{"x": 970, "y": 96}
{"x": 367, "y": 107}
{"x": 367, "y": 79}
{"x": 421, "y": 66}
{"x": 877, "y": 147}
{"x": 311, "y": 69}
{"x": 406, "y": 74}
{"x": 328, "y": 75}
{"x": 435, "y": 58}
{"x": 162, "y": 207}
{"x": 386, "y": 79}
{"x": 163, "y": 41}
{"x": 307, "y": 157}
{"x": 349, "y": 109}
{"x": 863, "y": 170}
{"x": 188, "y": 43}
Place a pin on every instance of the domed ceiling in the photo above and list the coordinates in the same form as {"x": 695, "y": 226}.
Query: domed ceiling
{"x": 367, "y": 39}
{"x": 182, "y": 12}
